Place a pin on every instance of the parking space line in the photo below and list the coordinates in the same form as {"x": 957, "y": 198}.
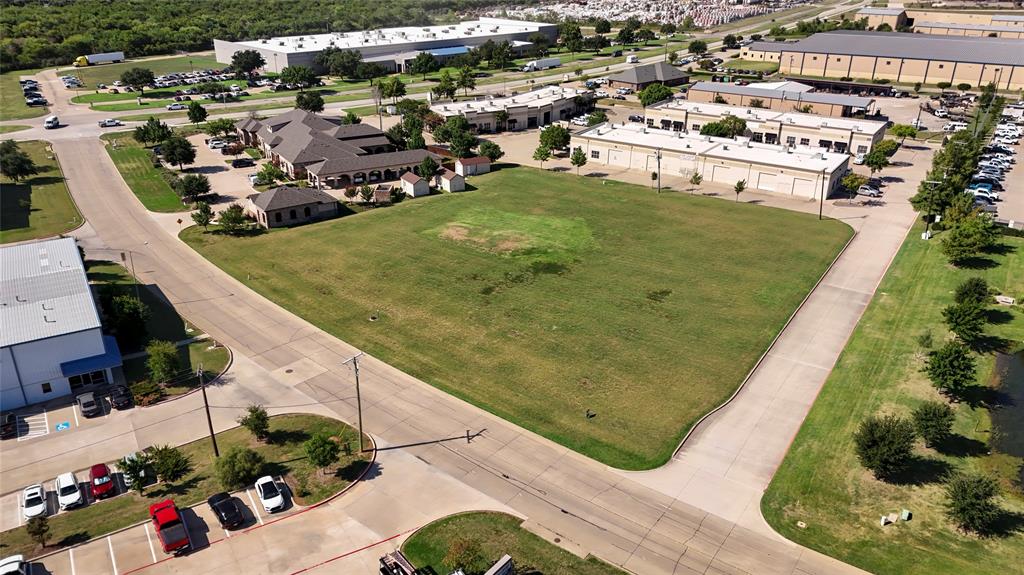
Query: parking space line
{"x": 71, "y": 559}
{"x": 255, "y": 509}
{"x": 226, "y": 534}
{"x": 150, "y": 541}
{"x": 112, "y": 560}
{"x": 74, "y": 409}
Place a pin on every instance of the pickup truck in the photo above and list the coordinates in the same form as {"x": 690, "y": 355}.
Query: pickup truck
{"x": 170, "y": 527}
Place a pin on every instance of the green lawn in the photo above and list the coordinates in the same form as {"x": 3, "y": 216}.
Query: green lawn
{"x": 40, "y": 206}
{"x": 12, "y": 103}
{"x": 754, "y": 65}
{"x": 136, "y": 167}
{"x": 284, "y": 456}
{"x": 6, "y": 129}
{"x": 496, "y": 534}
{"x": 107, "y": 73}
{"x": 821, "y": 482}
{"x": 543, "y": 295}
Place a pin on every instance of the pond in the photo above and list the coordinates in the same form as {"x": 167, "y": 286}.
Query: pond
{"x": 1008, "y": 416}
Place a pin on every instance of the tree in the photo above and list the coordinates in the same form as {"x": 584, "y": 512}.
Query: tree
{"x": 15, "y": 163}
{"x": 196, "y": 112}
{"x": 238, "y": 467}
{"x": 309, "y": 101}
{"x": 727, "y": 127}
{"x": 917, "y": 87}
{"x": 876, "y": 160}
{"x": 256, "y": 421}
{"x": 169, "y": 463}
{"x": 178, "y": 150}
{"x": 270, "y": 173}
{"x": 739, "y": 187}
{"x": 247, "y": 61}
{"x": 934, "y": 422}
{"x": 428, "y": 167}
{"x": 597, "y": 117}
{"x": 654, "y": 93}
{"x": 220, "y": 127}
{"x": 730, "y": 42}
{"x": 696, "y": 179}
{"x": 203, "y": 215}
{"x": 138, "y": 78}
{"x": 887, "y": 147}
{"x": 904, "y": 131}
{"x": 38, "y": 528}
{"x": 963, "y": 86}
{"x": 369, "y": 71}
{"x": 757, "y": 103}
{"x": 128, "y": 316}
{"x": 966, "y": 320}
{"x": 366, "y": 192}
{"x": 232, "y": 219}
{"x": 464, "y": 80}
{"x": 944, "y": 85}
{"x": 153, "y": 131}
{"x": 973, "y": 290}
{"x": 455, "y": 132}
{"x": 192, "y": 186}
{"x": 540, "y": 42}
{"x": 338, "y": 62}
{"x": 490, "y": 150}
{"x": 951, "y": 368}
{"x": 465, "y": 553}
{"x": 321, "y": 451}
{"x": 644, "y": 35}
{"x": 602, "y": 26}
{"x": 555, "y": 137}
{"x": 351, "y": 118}
{"x": 970, "y": 501}
{"x": 884, "y": 445}
{"x": 672, "y": 56}
{"x": 884, "y": 27}
{"x": 423, "y": 64}
{"x": 668, "y": 28}
{"x": 697, "y": 47}
{"x": 968, "y": 238}
{"x": 852, "y": 182}
{"x": 570, "y": 36}
{"x": 392, "y": 87}
{"x": 304, "y": 76}
{"x": 162, "y": 360}
{"x": 134, "y": 470}
{"x": 542, "y": 154}
{"x": 626, "y": 36}
{"x": 501, "y": 56}
{"x": 578, "y": 159}
{"x": 446, "y": 86}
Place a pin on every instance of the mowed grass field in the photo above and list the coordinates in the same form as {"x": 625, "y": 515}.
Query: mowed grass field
{"x": 40, "y": 206}
{"x": 821, "y": 482}
{"x": 134, "y": 163}
{"x": 541, "y": 295}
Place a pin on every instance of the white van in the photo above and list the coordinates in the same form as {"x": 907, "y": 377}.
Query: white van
{"x": 632, "y": 59}
{"x": 51, "y": 122}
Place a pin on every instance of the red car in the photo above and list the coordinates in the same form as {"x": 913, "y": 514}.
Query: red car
{"x": 170, "y": 527}
{"x": 101, "y": 483}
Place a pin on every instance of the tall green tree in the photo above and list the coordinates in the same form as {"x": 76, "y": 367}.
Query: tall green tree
{"x": 220, "y": 127}
{"x": 232, "y": 219}
{"x": 196, "y": 112}
{"x": 257, "y": 421}
{"x": 951, "y": 368}
{"x": 490, "y": 150}
{"x": 15, "y": 163}
{"x": 602, "y": 26}
{"x": 309, "y": 101}
{"x": 966, "y": 320}
{"x": 338, "y": 62}
{"x": 542, "y": 154}
{"x": 138, "y": 78}
{"x": 179, "y": 151}
{"x": 969, "y": 238}
{"x": 578, "y": 159}
{"x": 876, "y": 160}
{"x": 903, "y": 131}
{"x": 654, "y": 93}
{"x": 934, "y": 422}
{"x": 162, "y": 360}
{"x": 423, "y": 64}
{"x": 322, "y": 451}
{"x": 303, "y": 76}
{"x": 192, "y": 186}
{"x": 247, "y": 61}
{"x": 885, "y": 445}
{"x": 203, "y": 216}
{"x": 973, "y": 290}
{"x": 464, "y": 80}
{"x": 555, "y": 137}
{"x": 446, "y": 86}
{"x": 970, "y": 501}
{"x": 697, "y": 47}
{"x": 428, "y": 167}
{"x": 153, "y": 131}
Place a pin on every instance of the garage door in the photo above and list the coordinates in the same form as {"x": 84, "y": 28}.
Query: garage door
{"x": 803, "y": 188}
{"x": 617, "y": 157}
{"x": 727, "y": 174}
{"x": 766, "y": 182}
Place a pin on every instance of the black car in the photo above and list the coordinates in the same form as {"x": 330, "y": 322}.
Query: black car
{"x": 228, "y": 510}
{"x": 8, "y": 425}
{"x": 242, "y": 163}
{"x": 636, "y": 118}
{"x": 120, "y": 397}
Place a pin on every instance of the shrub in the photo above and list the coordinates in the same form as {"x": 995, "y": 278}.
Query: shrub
{"x": 169, "y": 463}
{"x": 973, "y": 290}
{"x": 934, "y": 422}
{"x": 925, "y": 339}
{"x": 239, "y": 467}
{"x": 466, "y": 554}
{"x": 146, "y": 392}
{"x": 944, "y": 85}
{"x": 134, "y": 470}
{"x": 322, "y": 451}
{"x": 963, "y": 87}
{"x": 951, "y": 368}
{"x": 256, "y": 421}
{"x": 970, "y": 501}
{"x": 162, "y": 361}
{"x": 884, "y": 444}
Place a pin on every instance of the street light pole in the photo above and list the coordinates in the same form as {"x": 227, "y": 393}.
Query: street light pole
{"x": 359, "y": 400}
{"x": 206, "y": 404}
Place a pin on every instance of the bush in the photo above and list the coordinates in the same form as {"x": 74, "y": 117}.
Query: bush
{"x": 951, "y": 368}
{"x": 882, "y": 81}
{"x": 970, "y": 501}
{"x": 134, "y": 470}
{"x": 322, "y": 451}
{"x": 239, "y": 467}
{"x": 846, "y": 79}
{"x": 963, "y": 87}
{"x": 944, "y": 85}
{"x": 146, "y": 392}
{"x": 256, "y": 421}
{"x": 884, "y": 444}
{"x": 162, "y": 361}
{"x": 973, "y": 290}
{"x": 466, "y": 554}
{"x": 934, "y": 422}
{"x": 169, "y": 463}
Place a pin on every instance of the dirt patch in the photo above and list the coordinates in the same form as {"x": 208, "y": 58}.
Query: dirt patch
{"x": 456, "y": 232}
{"x": 500, "y": 243}
{"x": 511, "y": 243}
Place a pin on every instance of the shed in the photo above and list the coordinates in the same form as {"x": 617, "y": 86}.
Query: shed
{"x": 472, "y": 166}
{"x": 452, "y": 182}
{"x": 414, "y": 186}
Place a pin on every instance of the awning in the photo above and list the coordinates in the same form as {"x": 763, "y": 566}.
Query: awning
{"x": 111, "y": 357}
{"x": 452, "y": 51}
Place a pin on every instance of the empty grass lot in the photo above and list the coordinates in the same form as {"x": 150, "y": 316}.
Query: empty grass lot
{"x": 284, "y": 456}
{"x": 497, "y": 534}
{"x": 542, "y": 295}
{"x": 40, "y": 206}
{"x": 136, "y": 167}
{"x": 753, "y": 65}
{"x": 821, "y": 482}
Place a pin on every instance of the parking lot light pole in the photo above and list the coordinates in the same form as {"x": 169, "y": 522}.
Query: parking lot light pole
{"x": 354, "y": 360}
{"x": 206, "y": 404}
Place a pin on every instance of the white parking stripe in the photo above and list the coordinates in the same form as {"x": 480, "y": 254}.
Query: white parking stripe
{"x": 71, "y": 559}
{"x": 150, "y": 541}
{"x": 227, "y": 534}
{"x": 112, "y": 561}
{"x": 74, "y": 409}
{"x": 255, "y": 508}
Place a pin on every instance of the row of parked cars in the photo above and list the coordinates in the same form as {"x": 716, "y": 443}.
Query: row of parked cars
{"x": 30, "y": 89}
{"x": 996, "y": 161}
{"x": 68, "y": 491}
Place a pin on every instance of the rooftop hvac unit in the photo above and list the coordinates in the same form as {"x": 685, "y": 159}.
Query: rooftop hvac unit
{"x": 299, "y": 45}
{"x": 790, "y": 120}
{"x": 280, "y": 43}
{"x": 264, "y": 41}
{"x": 725, "y": 147}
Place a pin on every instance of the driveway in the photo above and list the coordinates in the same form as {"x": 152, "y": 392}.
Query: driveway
{"x": 230, "y": 184}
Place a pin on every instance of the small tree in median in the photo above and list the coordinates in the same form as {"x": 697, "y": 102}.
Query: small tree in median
{"x": 134, "y": 470}
{"x": 904, "y": 131}
{"x": 256, "y": 421}
{"x": 192, "y": 186}
{"x": 951, "y": 368}
{"x": 970, "y": 501}
{"x": 196, "y": 112}
{"x": 578, "y": 159}
{"x": 322, "y": 451}
{"x": 968, "y": 238}
{"x": 884, "y": 444}
{"x": 38, "y": 528}
{"x": 169, "y": 463}
{"x": 220, "y": 127}
{"x": 162, "y": 360}
{"x": 232, "y": 219}
{"x": 203, "y": 216}
{"x": 695, "y": 180}
{"x": 179, "y": 151}
{"x": 876, "y": 160}
{"x": 966, "y": 320}
{"x": 853, "y": 181}
{"x": 239, "y": 466}
{"x": 934, "y": 422}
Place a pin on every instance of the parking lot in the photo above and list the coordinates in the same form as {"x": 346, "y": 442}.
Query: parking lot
{"x": 230, "y": 184}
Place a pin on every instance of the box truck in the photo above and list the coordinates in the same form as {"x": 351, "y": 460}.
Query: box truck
{"x": 93, "y": 59}
{"x": 542, "y": 64}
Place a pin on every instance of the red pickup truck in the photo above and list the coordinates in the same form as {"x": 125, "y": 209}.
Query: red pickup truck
{"x": 170, "y": 527}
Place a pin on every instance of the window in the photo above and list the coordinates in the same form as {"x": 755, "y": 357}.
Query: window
{"x": 827, "y": 144}
{"x": 814, "y": 58}
{"x": 862, "y": 149}
{"x": 92, "y": 378}
{"x": 695, "y": 127}
{"x": 790, "y": 141}
{"x": 839, "y": 59}
{"x": 277, "y": 216}
{"x": 941, "y": 66}
{"x": 47, "y": 388}
{"x": 757, "y": 137}
{"x": 650, "y": 122}
{"x": 291, "y": 214}
{"x": 595, "y": 154}
{"x": 805, "y": 141}
{"x": 306, "y": 211}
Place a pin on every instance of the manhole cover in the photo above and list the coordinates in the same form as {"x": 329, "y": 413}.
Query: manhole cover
{"x": 289, "y": 370}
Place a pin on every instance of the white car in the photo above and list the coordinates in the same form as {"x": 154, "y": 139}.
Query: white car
{"x": 14, "y": 565}
{"x": 177, "y": 106}
{"x": 600, "y": 94}
{"x": 254, "y": 179}
{"x": 118, "y": 83}
{"x": 68, "y": 493}
{"x": 270, "y": 494}
{"x": 216, "y": 144}
{"x": 34, "y": 501}
{"x": 110, "y": 123}
{"x": 859, "y": 159}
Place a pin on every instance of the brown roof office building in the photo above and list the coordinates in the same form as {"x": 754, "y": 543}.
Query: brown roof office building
{"x": 639, "y": 77}
{"x": 899, "y": 57}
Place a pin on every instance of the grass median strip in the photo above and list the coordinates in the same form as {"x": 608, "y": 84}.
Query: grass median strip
{"x": 39, "y": 206}
{"x": 482, "y": 538}
{"x": 135, "y": 164}
{"x": 543, "y": 297}
{"x": 284, "y": 455}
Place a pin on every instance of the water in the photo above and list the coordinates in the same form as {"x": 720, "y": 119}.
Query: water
{"x": 1008, "y": 415}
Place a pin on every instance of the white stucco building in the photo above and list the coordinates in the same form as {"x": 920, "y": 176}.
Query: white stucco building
{"x": 51, "y": 343}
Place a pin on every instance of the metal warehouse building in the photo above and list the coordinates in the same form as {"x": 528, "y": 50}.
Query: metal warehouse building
{"x": 899, "y": 57}
{"x": 389, "y": 47}
{"x": 799, "y": 172}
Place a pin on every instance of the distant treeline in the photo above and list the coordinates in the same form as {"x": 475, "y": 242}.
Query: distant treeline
{"x": 39, "y": 33}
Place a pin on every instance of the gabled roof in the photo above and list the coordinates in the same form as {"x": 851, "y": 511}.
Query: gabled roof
{"x": 284, "y": 197}
{"x": 411, "y": 178}
{"x": 369, "y": 162}
{"x": 449, "y": 175}
{"x": 474, "y": 161}
{"x": 248, "y": 124}
{"x": 649, "y": 73}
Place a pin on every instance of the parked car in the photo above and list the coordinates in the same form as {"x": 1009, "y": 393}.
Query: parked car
{"x": 270, "y": 494}
{"x": 8, "y": 425}
{"x": 110, "y": 123}
{"x": 68, "y": 493}
{"x": 170, "y": 527}
{"x": 869, "y": 191}
{"x": 859, "y": 159}
{"x": 177, "y": 106}
{"x": 88, "y": 405}
{"x": 216, "y": 144}
{"x": 228, "y": 510}
{"x": 636, "y": 118}
{"x": 120, "y": 397}
{"x": 242, "y": 163}
{"x": 33, "y": 500}
{"x": 254, "y": 179}
{"x": 618, "y": 97}
{"x": 15, "y": 565}
{"x": 985, "y": 205}
{"x": 101, "y": 483}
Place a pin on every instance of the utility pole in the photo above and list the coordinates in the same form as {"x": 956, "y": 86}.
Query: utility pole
{"x": 206, "y": 404}
{"x": 359, "y": 400}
